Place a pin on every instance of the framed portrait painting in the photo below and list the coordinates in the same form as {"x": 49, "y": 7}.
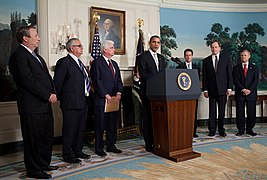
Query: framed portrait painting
{"x": 111, "y": 24}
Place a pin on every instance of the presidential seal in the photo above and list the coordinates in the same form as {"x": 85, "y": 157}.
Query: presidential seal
{"x": 184, "y": 81}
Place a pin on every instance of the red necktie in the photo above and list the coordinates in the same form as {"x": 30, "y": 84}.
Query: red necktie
{"x": 245, "y": 70}
{"x": 111, "y": 68}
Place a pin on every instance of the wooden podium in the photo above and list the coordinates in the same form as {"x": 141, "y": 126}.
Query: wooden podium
{"x": 173, "y": 94}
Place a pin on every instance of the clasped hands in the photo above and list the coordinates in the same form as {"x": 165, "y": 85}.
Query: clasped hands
{"x": 246, "y": 92}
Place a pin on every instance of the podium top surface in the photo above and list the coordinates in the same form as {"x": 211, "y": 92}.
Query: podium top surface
{"x": 174, "y": 84}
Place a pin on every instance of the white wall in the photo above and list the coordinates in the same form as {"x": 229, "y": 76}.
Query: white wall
{"x": 54, "y": 12}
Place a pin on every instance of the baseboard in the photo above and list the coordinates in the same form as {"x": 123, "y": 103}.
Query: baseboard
{"x": 17, "y": 146}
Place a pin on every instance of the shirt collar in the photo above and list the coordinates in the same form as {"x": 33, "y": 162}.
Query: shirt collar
{"x": 106, "y": 59}
{"x": 152, "y": 52}
{"x": 245, "y": 63}
{"x": 27, "y": 48}
{"x": 74, "y": 57}
{"x": 218, "y": 56}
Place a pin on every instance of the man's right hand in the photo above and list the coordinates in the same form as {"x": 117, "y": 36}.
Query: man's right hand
{"x": 108, "y": 98}
{"x": 53, "y": 98}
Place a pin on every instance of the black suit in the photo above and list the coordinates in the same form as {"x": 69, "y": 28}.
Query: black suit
{"x": 194, "y": 66}
{"x": 148, "y": 68}
{"x": 217, "y": 83}
{"x": 249, "y": 82}
{"x": 34, "y": 87}
{"x": 70, "y": 86}
{"x": 104, "y": 83}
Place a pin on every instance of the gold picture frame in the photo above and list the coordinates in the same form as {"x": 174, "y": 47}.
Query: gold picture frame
{"x": 111, "y": 26}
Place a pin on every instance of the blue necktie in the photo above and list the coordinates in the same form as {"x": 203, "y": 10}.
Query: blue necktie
{"x": 33, "y": 53}
{"x": 86, "y": 78}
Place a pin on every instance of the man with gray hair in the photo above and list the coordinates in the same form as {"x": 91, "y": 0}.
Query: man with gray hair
{"x": 106, "y": 78}
{"x": 73, "y": 86}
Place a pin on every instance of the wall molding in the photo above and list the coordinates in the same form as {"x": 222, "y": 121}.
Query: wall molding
{"x": 213, "y": 6}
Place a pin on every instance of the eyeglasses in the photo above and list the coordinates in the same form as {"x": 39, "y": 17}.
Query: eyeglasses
{"x": 77, "y": 45}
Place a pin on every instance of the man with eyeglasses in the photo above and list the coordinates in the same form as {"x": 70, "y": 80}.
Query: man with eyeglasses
{"x": 73, "y": 85}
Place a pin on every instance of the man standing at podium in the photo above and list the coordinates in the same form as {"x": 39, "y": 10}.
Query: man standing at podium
{"x": 150, "y": 64}
{"x": 217, "y": 85}
{"x": 188, "y": 64}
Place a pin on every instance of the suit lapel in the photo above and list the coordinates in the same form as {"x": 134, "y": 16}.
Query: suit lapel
{"x": 74, "y": 63}
{"x": 35, "y": 61}
{"x": 152, "y": 59}
{"x": 105, "y": 64}
{"x": 250, "y": 71}
{"x": 210, "y": 63}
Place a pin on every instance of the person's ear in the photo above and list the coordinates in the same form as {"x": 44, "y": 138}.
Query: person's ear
{"x": 25, "y": 38}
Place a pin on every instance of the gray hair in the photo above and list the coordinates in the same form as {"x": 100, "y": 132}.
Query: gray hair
{"x": 24, "y": 31}
{"x": 106, "y": 44}
{"x": 70, "y": 43}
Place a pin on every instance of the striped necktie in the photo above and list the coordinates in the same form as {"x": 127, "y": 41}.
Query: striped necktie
{"x": 86, "y": 78}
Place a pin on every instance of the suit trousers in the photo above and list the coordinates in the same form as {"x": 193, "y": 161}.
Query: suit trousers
{"x": 105, "y": 121}
{"x": 38, "y": 133}
{"x": 74, "y": 121}
{"x": 240, "y": 115}
{"x": 147, "y": 123}
{"x": 213, "y": 101}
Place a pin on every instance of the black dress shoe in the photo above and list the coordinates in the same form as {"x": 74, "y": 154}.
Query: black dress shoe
{"x": 149, "y": 148}
{"x": 222, "y": 134}
{"x": 101, "y": 153}
{"x": 41, "y": 175}
{"x": 195, "y": 136}
{"x": 71, "y": 160}
{"x": 211, "y": 134}
{"x": 239, "y": 134}
{"x": 50, "y": 168}
{"x": 251, "y": 133}
{"x": 82, "y": 156}
{"x": 114, "y": 150}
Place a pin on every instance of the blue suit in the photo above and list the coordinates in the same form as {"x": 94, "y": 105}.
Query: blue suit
{"x": 104, "y": 83}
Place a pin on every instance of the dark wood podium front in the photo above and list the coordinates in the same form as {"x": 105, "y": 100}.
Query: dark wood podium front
{"x": 173, "y": 124}
{"x": 173, "y": 94}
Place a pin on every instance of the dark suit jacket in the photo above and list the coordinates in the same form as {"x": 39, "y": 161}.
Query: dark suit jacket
{"x": 103, "y": 81}
{"x": 194, "y": 66}
{"x": 69, "y": 82}
{"x": 147, "y": 66}
{"x": 217, "y": 83}
{"x": 250, "y": 82}
{"x": 33, "y": 81}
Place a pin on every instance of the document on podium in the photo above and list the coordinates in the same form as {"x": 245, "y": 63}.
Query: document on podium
{"x": 112, "y": 106}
